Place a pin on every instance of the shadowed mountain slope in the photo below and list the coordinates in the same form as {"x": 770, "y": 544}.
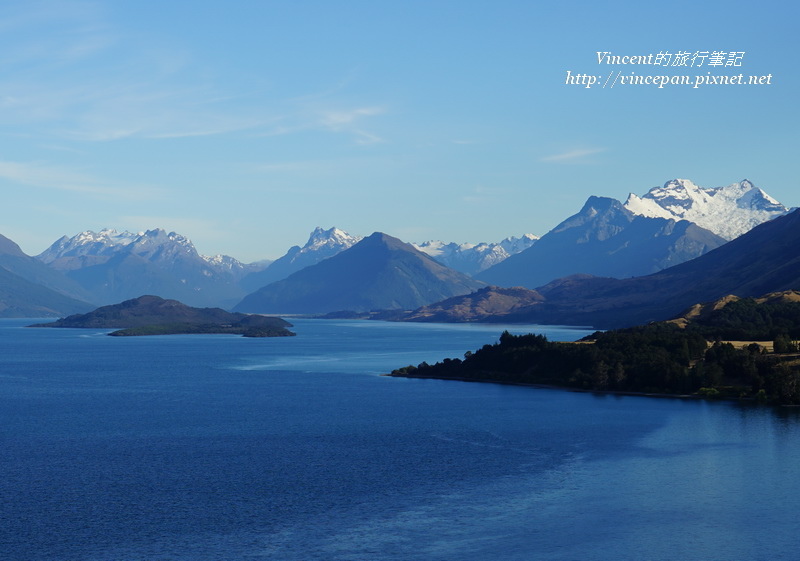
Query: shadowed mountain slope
{"x": 765, "y": 259}
{"x": 379, "y": 272}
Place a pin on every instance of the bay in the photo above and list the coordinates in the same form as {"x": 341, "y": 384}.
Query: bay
{"x": 225, "y": 448}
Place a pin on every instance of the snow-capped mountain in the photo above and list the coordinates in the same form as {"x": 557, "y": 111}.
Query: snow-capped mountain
{"x": 473, "y": 258}
{"x": 116, "y": 266}
{"x": 321, "y": 244}
{"x": 92, "y": 248}
{"x": 86, "y": 248}
{"x": 727, "y": 211}
{"x": 228, "y": 263}
{"x": 607, "y": 240}
{"x": 326, "y": 241}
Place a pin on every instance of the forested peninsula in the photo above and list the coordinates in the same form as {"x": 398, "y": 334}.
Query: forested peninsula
{"x": 732, "y": 348}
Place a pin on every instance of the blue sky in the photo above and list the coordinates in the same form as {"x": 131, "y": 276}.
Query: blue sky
{"x": 244, "y": 125}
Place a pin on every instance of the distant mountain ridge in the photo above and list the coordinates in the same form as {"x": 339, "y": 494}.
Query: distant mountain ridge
{"x": 765, "y": 260}
{"x": 91, "y": 248}
{"x": 115, "y": 266}
{"x": 379, "y": 272}
{"x": 467, "y": 258}
{"x": 605, "y": 239}
{"x": 728, "y": 211}
{"x": 474, "y": 258}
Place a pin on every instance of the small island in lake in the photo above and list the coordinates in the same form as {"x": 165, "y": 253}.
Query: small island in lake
{"x": 152, "y": 315}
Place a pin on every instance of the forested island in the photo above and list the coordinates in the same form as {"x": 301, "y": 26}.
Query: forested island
{"x": 732, "y": 348}
{"x": 152, "y": 315}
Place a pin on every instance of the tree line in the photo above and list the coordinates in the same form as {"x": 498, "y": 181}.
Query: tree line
{"x": 656, "y": 358}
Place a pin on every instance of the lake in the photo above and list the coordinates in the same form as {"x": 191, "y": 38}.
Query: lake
{"x": 218, "y": 447}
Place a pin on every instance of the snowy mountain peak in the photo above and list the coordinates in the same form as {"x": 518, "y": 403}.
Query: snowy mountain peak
{"x": 157, "y": 244}
{"x": 333, "y": 238}
{"x": 514, "y": 245}
{"x": 226, "y": 263}
{"x": 728, "y": 211}
{"x": 89, "y": 247}
{"x": 107, "y": 236}
{"x": 105, "y": 242}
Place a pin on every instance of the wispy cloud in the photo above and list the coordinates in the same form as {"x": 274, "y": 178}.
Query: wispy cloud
{"x": 481, "y": 194}
{"x": 349, "y": 121}
{"x": 304, "y": 119}
{"x": 72, "y": 74}
{"x": 44, "y": 176}
{"x": 339, "y": 119}
{"x": 328, "y": 166}
{"x": 576, "y": 156}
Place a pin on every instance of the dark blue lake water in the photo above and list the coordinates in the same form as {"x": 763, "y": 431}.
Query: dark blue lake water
{"x": 224, "y": 448}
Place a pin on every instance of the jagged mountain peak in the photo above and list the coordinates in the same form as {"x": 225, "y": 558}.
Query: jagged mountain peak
{"x": 160, "y": 244}
{"x": 157, "y": 243}
{"x": 108, "y": 235}
{"x": 87, "y": 243}
{"x": 321, "y": 244}
{"x": 154, "y": 243}
{"x": 158, "y": 236}
{"x": 330, "y": 238}
{"x": 512, "y": 242}
{"x": 727, "y": 211}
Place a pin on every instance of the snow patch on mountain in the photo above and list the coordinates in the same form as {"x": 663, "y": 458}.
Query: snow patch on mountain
{"x": 104, "y": 242}
{"x": 473, "y": 258}
{"x": 728, "y": 211}
{"x": 328, "y": 242}
{"x": 321, "y": 244}
{"x": 89, "y": 247}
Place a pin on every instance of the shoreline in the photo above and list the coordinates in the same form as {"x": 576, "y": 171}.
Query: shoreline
{"x": 580, "y": 390}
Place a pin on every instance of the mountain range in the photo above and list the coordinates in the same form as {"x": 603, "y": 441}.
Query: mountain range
{"x": 114, "y": 266}
{"x": 605, "y": 240}
{"x": 473, "y": 258}
{"x": 766, "y": 259}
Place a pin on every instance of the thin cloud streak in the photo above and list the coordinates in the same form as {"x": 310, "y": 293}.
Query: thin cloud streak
{"x": 48, "y": 177}
{"x": 572, "y": 156}
{"x": 71, "y": 85}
